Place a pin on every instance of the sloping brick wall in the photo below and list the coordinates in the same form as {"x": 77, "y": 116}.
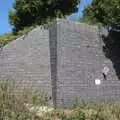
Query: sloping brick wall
{"x": 27, "y": 59}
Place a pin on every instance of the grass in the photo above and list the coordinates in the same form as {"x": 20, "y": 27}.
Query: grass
{"x": 10, "y": 36}
{"x": 14, "y": 106}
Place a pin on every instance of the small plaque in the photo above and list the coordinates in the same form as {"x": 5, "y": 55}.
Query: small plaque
{"x": 97, "y": 81}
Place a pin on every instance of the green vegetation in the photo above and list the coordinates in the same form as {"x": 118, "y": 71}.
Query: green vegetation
{"x": 13, "y": 107}
{"x": 104, "y": 12}
{"x": 32, "y": 12}
{"x": 8, "y": 37}
{"x": 91, "y": 111}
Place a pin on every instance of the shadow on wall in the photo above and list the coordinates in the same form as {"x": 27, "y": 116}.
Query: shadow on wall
{"x": 111, "y": 49}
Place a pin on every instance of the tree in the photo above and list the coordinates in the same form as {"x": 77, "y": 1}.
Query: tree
{"x": 105, "y": 12}
{"x": 29, "y": 12}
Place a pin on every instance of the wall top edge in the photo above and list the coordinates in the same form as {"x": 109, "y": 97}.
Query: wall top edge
{"x": 59, "y": 21}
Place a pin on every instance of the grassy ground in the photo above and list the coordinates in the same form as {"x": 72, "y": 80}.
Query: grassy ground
{"x": 31, "y": 104}
{"x": 110, "y": 111}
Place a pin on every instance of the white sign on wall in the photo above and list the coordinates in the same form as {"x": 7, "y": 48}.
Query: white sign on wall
{"x": 97, "y": 81}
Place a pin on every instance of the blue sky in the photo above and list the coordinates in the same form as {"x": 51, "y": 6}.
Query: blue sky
{"x": 81, "y": 8}
{"x": 6, "y": 6}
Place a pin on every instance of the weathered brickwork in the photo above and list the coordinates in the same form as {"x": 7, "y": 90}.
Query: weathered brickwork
{"x": 64, "y": 61}
{"x": 80, "y": 60}
{"x": 27, "y": 59}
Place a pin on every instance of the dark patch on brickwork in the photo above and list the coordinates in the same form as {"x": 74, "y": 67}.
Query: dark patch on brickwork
{"x": 53, "y": 59}
{"x": 111, "y": 49}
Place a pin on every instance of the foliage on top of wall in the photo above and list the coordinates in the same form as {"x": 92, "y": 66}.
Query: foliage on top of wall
{"x": 105, "y": 12}
{"x": 10, "y": 36}
{"x": 31, "y": 12}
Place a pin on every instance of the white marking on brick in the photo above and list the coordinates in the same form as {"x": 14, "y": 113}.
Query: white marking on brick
{"x": 97, "y": 81}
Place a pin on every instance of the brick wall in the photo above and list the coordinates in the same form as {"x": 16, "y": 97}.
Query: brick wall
{"x": 27, "y": 59}
{"x": 81, "y": 60}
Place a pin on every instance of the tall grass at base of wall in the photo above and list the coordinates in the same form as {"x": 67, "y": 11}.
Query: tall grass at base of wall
{"x": 27, "y": 104}
{"x": 98, "y": 111}
{"x": 14, "y": 106}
